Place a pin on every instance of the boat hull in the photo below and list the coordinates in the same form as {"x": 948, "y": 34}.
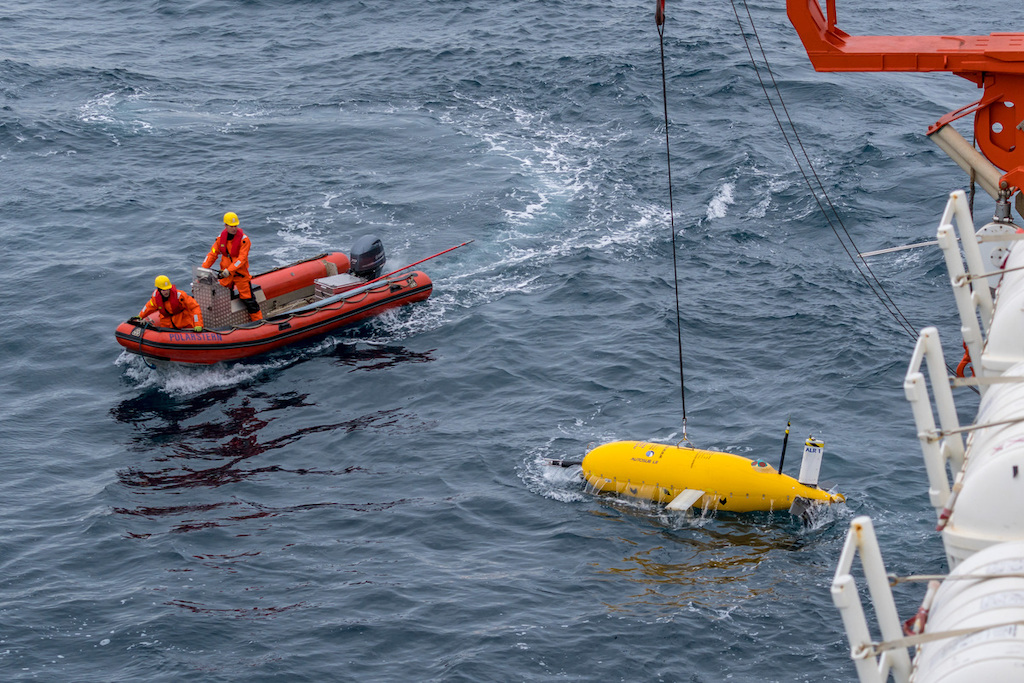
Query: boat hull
{"x": 276, "y": 331}
{"x": 659, "y": 473}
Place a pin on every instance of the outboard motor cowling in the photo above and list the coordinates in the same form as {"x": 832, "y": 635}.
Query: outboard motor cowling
{"x": 367, "y": 257}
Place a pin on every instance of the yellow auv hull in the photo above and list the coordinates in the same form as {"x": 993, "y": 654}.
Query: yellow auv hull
{"x": 659, "y": 473}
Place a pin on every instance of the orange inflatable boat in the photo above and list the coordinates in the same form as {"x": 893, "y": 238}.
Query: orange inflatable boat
{"x": 298, "y": 301}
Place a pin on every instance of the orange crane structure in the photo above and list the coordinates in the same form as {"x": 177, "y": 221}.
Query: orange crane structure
{"x": 994, "y": 62}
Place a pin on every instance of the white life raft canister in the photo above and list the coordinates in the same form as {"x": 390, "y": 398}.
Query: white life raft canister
{"x": 985, "y": 655}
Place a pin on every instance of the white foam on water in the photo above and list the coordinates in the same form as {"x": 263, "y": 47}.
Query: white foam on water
{"x": 328, "y": 198}
{"x": 569, "y": 442}
{"x": 720, "y": 203}
{"x": 185, "y": 380}
{"x": 563, "y": 484}
{"x": 555, "y": 167}
{"x": 306, "y": 231}
{"x": 760, "y": 209}
{"x": 529, "y": 212}
{"x": 555, "y": 161}
{"x": 304, "y": 235}
{"x": 820, "y": 517}
{"x": 100, "y": 109}
{"x": 910, "y": 257}
{"x": 114, "y": 115}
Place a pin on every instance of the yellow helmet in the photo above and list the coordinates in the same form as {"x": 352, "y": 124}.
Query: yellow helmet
{"x": 162, "y": 282}
{"x": 231, "y": 218}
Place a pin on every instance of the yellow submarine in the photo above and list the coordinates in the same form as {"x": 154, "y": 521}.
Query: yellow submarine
{"x": 682, "y": 477}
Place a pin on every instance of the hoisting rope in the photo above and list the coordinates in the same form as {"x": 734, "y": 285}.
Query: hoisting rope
{"x": 659, "y": 19}
{"x": 869, "y": 277}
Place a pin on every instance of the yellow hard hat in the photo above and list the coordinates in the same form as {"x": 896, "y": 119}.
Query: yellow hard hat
{"x": 231, "y": 218}
{"x": 162, "y": 282}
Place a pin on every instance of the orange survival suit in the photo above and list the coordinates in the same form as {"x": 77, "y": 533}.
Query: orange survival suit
{"x": 179, "y": 310}
{"x": 234, "y": 258}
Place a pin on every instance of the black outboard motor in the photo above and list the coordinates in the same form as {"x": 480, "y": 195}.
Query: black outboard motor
{"x": 367, "y": 258}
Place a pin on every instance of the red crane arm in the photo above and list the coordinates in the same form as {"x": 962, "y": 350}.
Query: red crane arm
{"x": 832, "y": 49}
{"x": 994, "y": 62}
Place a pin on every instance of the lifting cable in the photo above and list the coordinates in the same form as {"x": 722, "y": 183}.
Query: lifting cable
{"x": 869, "y": 277}
{"x": 659, "y": 19}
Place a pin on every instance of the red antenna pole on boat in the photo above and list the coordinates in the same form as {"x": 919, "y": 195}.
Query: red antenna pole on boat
{"x": 418, "y": 262}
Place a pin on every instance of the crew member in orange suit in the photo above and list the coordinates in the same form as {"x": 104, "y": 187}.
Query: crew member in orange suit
{"x": 233, "y": 248}
{"x": 177, "y": 309}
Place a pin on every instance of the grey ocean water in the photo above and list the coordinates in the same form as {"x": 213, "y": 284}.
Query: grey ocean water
{"x": 374, "y": 506}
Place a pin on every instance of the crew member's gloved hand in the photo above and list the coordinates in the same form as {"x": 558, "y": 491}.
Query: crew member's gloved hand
{"x": 134, "y": 319}
{"x": 198, "y": 328}
{"x": 223, "y": 274}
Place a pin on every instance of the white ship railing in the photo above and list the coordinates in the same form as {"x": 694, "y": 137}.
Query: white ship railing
{"x": 991, "y": 261}
{"x": 938, "y": 446}
{"x": 946, "y": 462}
{"x": 873, "y": 666}
{"x": 971, "y": 301}
{"x": 969, "y": 622}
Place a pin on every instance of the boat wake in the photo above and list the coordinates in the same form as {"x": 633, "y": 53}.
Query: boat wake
{"x": 187, "y": 380}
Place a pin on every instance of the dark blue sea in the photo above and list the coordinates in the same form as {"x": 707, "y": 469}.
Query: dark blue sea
{"x": 375, "y": 505}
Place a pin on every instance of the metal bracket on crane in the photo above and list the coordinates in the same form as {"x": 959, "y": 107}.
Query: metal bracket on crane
{"x": 994, "y": 62}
